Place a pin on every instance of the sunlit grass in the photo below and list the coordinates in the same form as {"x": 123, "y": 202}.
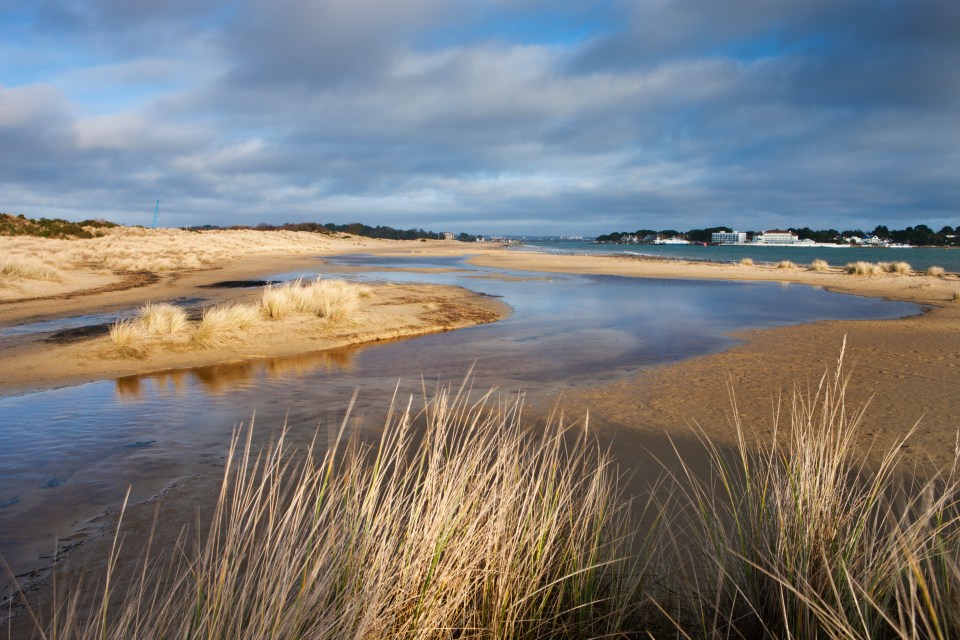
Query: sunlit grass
{"x": 222, "y": 324}
{"x": 128, "y": 337}
{"x": 162, "y": 317}
{"x": 935, "y": 271}
{"x": 861, "y": 268}
{"x": 896, "y": 267}
{"x": 819, "y": 265}
{"x": 746, "y": 262}
{"x": 27, "y": 268}
{"x": 786, "y": 264}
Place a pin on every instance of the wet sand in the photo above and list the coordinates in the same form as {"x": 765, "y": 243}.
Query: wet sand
{"x": 907, "y": 369}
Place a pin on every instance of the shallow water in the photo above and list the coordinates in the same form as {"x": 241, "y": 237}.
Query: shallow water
{"x": 68, "y": 453}
{"x": 83, "y": 321}
{"x": 838, "y": 256}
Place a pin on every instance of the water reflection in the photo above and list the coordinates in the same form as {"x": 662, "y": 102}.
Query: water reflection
{"x": 218, "y": 379}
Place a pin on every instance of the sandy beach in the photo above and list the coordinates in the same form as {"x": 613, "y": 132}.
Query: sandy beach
{"x": 908, "y": 369}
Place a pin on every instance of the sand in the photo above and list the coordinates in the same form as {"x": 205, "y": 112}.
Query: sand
{"x": 908, "y": 369}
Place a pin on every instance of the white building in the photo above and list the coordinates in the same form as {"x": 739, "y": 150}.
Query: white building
{"x": 728, "y": 237}
{"x": 776, "y": 236}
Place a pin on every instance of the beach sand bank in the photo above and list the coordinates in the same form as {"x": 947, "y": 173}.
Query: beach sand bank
{"x": 908, "y": 369}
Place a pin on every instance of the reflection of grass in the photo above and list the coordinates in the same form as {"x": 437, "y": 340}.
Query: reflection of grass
{"x": 461, "y": 522}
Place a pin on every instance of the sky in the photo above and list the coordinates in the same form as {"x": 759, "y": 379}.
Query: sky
{"x": 483, "y": 116}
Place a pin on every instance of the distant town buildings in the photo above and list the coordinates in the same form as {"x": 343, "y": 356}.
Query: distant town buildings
{"x": 729, "y": 237}
{"x": 776, "y": 236}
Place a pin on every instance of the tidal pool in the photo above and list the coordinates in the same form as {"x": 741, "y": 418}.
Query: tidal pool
{"x": 66, "y": 454}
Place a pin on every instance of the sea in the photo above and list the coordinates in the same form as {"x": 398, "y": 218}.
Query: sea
{"x": 918, "y": 257}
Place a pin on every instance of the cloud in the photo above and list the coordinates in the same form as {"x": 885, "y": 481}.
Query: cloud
{"x": 518, "y": 115}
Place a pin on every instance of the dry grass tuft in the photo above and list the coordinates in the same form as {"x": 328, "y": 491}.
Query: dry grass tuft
{"x": 819, "y": 265}
{"x": 162, "y": 317}
{"x": 956, "y": 296}
{"x": 746, "y": 262}
{"x": 20, "y": 267}
{"x": 935, "y": 271}
{"x": 220, "y": 325}
{"x": 336, "y": 300}
{"x": 897, "y": 267}
{"x": 807, "y": 540}
{"x": 460, "y": 523}
{"x": 786, "y": 264}
{"x": 861, "y": 268}
{"x": 128, "y": 337}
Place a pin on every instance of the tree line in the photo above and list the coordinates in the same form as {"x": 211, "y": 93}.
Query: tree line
{"x": 917, "y": 236}
{"x": 354, "y": 228}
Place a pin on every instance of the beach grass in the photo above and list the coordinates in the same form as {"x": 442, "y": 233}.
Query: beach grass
{"x": 861, "y": 268}
{"x": 746, "y": 262}
{"x": 21, "y": 267}
{"x": 128, "y": 337}
{"x": 805, "y": 539}
{"x": 819, "y": 265}
{"x": 899, "y": 266}
{"x": 786, "y": 264}
{"x": 462, "y": 521}
{"x": 162, "y": 318}
{"x": 336, "y": 300}
{"x": 935, "y": 271}
{"x": 221, "y": 324}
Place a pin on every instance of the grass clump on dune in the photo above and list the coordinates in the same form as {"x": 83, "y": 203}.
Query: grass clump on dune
{"x": 819, "y": 265}
{"x": 459, "y": 523}
{"x": 861, "y": 268}
{"x": 128, "y": 338}
{"x": 325, "y": 298}
{"x": 896, "y": 267}
{"x": 935, "y": 271}
{"x": 746, "y": 262}
{"x": 220, "y": 325}
{"x": 162, "y": 317}
{"x": 786, "y": 264}
{"x": 26, "y": 268}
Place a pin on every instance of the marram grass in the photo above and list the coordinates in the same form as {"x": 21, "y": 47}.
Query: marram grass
{"x": 162, "y": 317}
{"x": 819, "y": 265}
{"x": 459, "y": 523}
{"x": 462, "y": 522}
